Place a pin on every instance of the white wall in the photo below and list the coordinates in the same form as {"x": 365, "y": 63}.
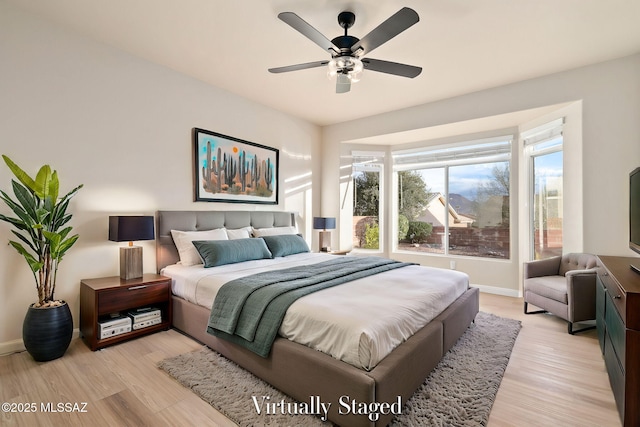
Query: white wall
{"x": 122, "y": 127}
{"x": 604, "y": 133}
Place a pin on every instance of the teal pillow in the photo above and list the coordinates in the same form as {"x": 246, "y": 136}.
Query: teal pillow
{"x": 286, "y": 244}
{"x": 221, "y": 252}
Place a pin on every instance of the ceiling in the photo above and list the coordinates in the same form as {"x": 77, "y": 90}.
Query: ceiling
{"x": 463, "y": 46}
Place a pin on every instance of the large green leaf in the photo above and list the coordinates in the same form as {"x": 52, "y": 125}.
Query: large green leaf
{"x": 49, "y": 203}
{"x": 70, "y": 194}
{"x": 14, "y": 221}
{"x": 59, "y": 216}
{"x": 22, "y": 176}
{"x": 53, "y": 239}
{"x": 34, "y": 264}
{"x": 54, "y": 187}
{"x": 18, "y": 210}
{"x": 42, "y": 216}
{"x": 28, "y": 201}
{"x": 65, "y": 245}
{"x": 25, "y": 239}
{"x": 64, "y": 232}
{"x": 43, "y": 179}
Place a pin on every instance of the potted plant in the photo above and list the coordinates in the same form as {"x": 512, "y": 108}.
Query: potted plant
{"x": 43, "y": 239}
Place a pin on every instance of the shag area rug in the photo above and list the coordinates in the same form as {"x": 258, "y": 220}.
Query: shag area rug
{"x": 459, "y": 391}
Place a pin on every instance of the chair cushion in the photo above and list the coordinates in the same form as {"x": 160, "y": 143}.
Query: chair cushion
{"x": 552, "y": 287}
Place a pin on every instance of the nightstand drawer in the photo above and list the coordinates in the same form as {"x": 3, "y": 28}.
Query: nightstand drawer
{"x": 127, "y": 297}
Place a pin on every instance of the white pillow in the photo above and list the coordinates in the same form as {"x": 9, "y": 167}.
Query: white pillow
{"x": 274, "y": 231}
{"x": 239, "y": 233}
{"x": 188, "y": 253}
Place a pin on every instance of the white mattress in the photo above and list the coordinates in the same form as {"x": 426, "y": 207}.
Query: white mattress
{"x": 359, "y": 322}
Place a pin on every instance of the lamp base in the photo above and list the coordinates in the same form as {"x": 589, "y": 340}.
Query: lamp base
{"x": 325, "y": 241}
{"x": 130, "y": 262}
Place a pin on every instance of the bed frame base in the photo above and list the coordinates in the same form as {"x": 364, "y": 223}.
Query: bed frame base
{"x": 302, "y": 372}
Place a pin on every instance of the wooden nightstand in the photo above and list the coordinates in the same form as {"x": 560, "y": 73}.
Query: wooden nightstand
{"x": 101, "y": 297}
{"x": 345, "y": 252}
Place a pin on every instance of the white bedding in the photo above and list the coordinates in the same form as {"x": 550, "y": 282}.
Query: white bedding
{"x": 358, "y": 322}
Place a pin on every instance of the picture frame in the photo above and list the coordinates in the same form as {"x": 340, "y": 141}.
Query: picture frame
{"x": 232, "y": 170}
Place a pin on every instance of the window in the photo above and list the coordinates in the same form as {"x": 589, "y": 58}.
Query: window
{"x": 421, "y": 205}
{"x": 455, "y": 200}
{"x": 367, "y": 177}
{"x": 543, "y": 145}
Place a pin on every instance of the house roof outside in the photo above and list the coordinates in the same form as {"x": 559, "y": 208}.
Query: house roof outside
{"x": 434, "y": 212}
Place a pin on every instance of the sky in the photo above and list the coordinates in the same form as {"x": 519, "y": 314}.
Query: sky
{"x": 465, "y": 179}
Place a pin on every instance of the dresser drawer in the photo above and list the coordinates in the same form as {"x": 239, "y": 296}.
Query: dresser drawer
{"x": 127, "y": 297}
{"x": 616, "y": 329}
{"x": 601, "y": 297}
{"x": 618, "y": 296}
{"x": 616, "y": 375}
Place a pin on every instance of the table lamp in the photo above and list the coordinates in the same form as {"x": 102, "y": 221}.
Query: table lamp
{"x": 324, "y": 224}
{"x": 130, "y": 229}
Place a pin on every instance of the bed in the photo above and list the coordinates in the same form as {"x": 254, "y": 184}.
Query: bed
{"x": 299, "y": 370}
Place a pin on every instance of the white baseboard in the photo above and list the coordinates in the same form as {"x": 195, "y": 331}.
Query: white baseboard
{"x": 10, "y": 347}
{"x": 17, "y": 346}
{"x": 498, "y": 291}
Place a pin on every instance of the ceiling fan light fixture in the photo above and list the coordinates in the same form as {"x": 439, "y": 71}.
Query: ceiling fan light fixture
{"x": 347, "y": 65}
{"x": 332, "y": 69}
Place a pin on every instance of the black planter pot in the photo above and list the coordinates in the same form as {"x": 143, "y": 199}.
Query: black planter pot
{"x": 47, "y": 332}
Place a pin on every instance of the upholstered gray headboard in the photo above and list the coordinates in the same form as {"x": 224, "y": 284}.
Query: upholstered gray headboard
{"x": 166, "y": 252}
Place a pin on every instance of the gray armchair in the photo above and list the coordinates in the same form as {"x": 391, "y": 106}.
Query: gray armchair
{"x": 564, "y": 286}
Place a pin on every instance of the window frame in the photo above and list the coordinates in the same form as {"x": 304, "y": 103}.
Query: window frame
{"x": 444, "y": 151}
{"x": 370, "y": 161}
{"x": 531, "y": 139}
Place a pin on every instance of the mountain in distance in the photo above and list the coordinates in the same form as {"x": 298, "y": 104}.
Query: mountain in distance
{"x": 462, "y": 205}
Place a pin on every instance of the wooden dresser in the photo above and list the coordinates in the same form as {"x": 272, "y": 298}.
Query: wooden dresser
{"x": 618, "y": 321}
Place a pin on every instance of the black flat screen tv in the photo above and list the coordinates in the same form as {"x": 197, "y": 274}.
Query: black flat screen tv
{"x": 634, "y": 214}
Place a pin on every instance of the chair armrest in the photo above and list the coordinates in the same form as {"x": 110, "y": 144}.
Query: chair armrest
{"x": 542, "y": 267}
{"x": 589, "y": 271}
{"x": 581, "y": 294}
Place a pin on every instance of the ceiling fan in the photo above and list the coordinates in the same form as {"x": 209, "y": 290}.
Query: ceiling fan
{"x": 347, "y": 52}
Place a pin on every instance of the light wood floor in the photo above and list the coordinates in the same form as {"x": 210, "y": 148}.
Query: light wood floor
{"x": 553, "y": 379}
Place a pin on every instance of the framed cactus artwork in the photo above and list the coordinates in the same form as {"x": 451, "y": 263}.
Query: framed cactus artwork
{"x": 228, "y": 169}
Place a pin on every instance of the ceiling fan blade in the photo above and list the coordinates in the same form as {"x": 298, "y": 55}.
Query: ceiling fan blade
{"x": 384, "y": 32}
{"x": 343, "y": 83}
{"x": 298, "y": 67}
{"x": 394, "y": 68}
{"x": 308, "y": 31}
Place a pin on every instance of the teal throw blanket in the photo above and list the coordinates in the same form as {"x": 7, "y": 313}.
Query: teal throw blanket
{"x": 249, "y": 311}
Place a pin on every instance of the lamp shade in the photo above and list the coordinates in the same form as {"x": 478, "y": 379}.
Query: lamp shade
{"x": 324, "y": 223}
{"x": 130, "y": 228}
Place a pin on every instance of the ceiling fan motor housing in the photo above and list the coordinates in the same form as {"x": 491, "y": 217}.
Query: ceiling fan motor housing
{"x": 345, "y": 43}
{"x": 346, "y": 19}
